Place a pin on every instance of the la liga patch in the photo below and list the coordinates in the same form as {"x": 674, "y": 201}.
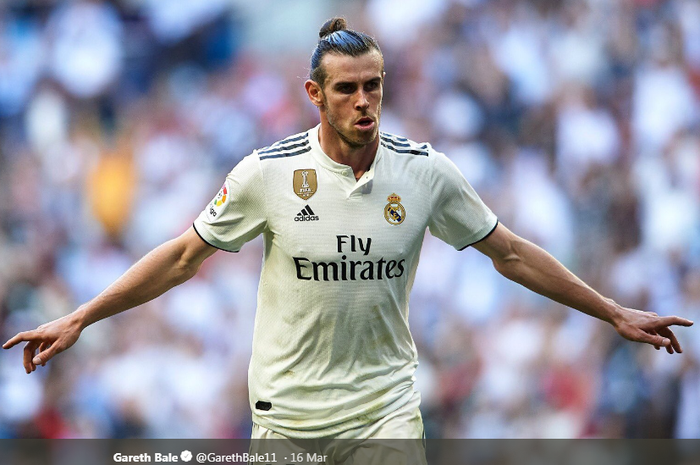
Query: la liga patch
{"x": 219, "y": 201}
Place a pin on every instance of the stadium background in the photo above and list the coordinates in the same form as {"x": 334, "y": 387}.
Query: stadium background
{"x": 576, "y": 121}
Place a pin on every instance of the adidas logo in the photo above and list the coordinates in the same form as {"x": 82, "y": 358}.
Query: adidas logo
{"x": 306, "y": 214}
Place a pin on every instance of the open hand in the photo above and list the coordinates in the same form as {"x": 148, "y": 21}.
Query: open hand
{"x": 651, "y": 328}
{"x": 49, "y": 339}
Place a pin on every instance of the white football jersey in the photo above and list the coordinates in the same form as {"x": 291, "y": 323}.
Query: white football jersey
{"x": 332, "y": 348}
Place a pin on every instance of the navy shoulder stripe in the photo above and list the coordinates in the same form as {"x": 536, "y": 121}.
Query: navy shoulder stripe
{"x": 412, "y": 152}
{"x": 289, "y": 147}
{"x": 403, "y": 145}
{"x": 279, "y": 143}
{"x": 406, "y": 144}
{"x": 394, "y": 136}
{"x": 283, "y": 148}
{"x": 287, "y": 153}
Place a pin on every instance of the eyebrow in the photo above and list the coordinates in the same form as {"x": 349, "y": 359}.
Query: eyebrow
{"x": 345, "y": 83}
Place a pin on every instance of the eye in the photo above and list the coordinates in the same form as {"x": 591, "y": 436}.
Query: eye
{"x": 346, "y": 88}
{"x": 372, "y": 85}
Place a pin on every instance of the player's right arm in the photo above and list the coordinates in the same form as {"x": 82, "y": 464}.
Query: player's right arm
{"x": 166, "y": 266}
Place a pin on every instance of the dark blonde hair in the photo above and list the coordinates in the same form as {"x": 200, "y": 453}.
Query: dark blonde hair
{"x": 335, "y": 37}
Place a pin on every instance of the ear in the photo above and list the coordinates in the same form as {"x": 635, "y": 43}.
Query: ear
{"x": 314, "y": 91}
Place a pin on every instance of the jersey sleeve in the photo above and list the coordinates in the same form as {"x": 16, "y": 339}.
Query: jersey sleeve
{"x": 237, "y": 214}
{"x": 459, "y": 217}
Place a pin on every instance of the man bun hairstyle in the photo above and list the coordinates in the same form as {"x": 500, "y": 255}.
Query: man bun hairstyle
{"x": 335, "y": 37}
{"x": 332, "y": 25}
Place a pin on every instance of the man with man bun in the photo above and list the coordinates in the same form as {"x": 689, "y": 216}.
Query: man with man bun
{"x": 343, "y": 209}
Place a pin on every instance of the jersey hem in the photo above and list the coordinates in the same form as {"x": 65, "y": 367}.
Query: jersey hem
{"x": 194, "y": 226}
{"x": 359, "y": 421}
{"x": 487, "y": 235}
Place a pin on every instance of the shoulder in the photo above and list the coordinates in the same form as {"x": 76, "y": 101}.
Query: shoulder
{"x": 420, "y": 155}
{"x": 291, "y": 146}
{"x": 403, "y": 146}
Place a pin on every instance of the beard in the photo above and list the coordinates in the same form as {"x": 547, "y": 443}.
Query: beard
{"x": 351, "y": 136}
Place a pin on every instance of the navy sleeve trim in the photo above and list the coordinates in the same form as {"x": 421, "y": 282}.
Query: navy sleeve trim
{"x": 487, "y": 235}
{"x": 209, "y": 243}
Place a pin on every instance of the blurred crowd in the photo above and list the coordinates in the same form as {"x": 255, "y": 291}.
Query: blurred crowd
{"x": 576, "y": 121}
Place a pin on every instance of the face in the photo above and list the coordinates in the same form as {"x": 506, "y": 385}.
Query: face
{"x": 351, "y": 97}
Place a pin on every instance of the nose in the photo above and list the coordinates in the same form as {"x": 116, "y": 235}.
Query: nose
{"x": 362, "y": 102}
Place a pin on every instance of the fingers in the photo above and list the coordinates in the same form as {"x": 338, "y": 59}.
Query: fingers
{"x": 672, "y": 320}
{"x": 662, "y": 330}
{"x": 668, "y": 333}
{"x": 653, "y": 333}
{"x": 46, "y": 355}
{"x": 19, "y": 337}
{"x": 42, "y": 348}
{"x": 35, "y": 340}
{"x": 655, "y": 340}
{"x": 29, "y": 351}
{"x": 669, "y": 347}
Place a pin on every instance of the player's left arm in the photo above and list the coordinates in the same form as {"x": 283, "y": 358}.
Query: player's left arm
{"x": 525, "y": 263}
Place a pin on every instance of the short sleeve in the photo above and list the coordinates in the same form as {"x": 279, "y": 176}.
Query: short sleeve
{"x": 237, "y": 214}
{"x": 459, "y": 217}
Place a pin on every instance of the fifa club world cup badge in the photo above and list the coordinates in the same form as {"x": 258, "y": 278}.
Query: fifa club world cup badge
{"x": 394, "y": 211}
{"x": 305, "y": 183}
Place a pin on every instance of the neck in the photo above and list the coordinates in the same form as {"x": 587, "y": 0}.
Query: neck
{"x": 358, "y": 157}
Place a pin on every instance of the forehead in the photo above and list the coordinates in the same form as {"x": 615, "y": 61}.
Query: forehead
{"x": 346, "y": 68}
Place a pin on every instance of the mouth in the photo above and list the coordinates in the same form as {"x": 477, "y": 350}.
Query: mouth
{"x": 365, "y": 123}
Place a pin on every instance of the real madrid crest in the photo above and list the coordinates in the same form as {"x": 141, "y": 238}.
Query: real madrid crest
{"x": 305, "y": 183}
{"x": 394, "y": 211}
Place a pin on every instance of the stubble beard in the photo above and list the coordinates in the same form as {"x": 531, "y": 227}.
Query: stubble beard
{"x": 353, "y": 142}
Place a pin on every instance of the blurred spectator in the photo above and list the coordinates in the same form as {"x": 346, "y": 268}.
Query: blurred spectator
{"x": 21, "y": 60}
{"x": 85, "y": 51}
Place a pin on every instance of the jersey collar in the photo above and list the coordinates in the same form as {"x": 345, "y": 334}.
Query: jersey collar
{"x": 344, "y": 170}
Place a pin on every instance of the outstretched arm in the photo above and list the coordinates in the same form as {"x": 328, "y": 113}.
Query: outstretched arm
{"x": 525, "y": 263}
{"x": 166, "y": 266}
